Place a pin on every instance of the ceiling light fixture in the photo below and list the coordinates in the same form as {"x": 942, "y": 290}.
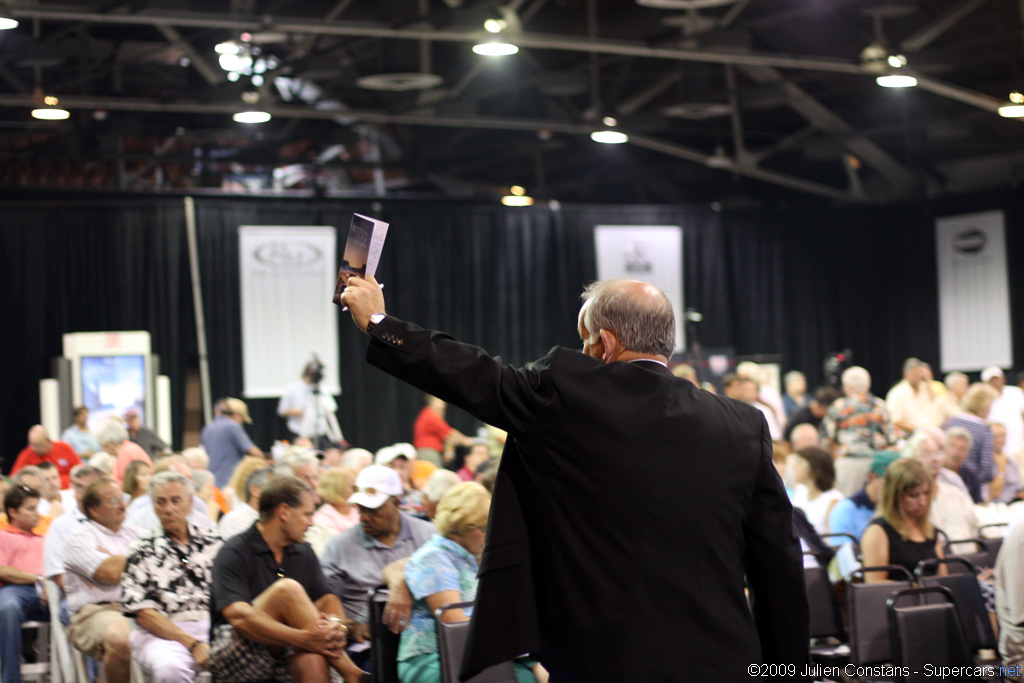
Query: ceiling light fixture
{"x": 895, "y": 80}
{"x": 501, "y": 28}
{"x": 50, "y": 112}
{"x": 517, "y": 197}
{"x": 251, "y": 114}
{"x": 7, "y": 20}
{"x": 1015, "y": 109}
{"x": 609, "y": 136}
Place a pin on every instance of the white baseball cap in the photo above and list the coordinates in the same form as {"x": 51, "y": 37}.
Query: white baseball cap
{"x": 374, "y": 485}
{"x": 397, "y": 450}
{"x": 990, "y": 372}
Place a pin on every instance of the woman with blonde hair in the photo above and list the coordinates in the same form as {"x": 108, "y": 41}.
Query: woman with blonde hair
{"x": 444, "y": 571}
{"x": 335, "y": 488}
{"x": 901, "y": 534}
{"x": 235, "y": 490}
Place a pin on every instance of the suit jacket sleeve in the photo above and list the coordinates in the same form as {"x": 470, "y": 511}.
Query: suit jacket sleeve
{"x": 774, "y": 566}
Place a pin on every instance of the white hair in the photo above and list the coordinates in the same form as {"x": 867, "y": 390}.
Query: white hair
{"x": 111, "y": 432}
{"x": 960, "y": 433}
{"x": 356, "y": 458}
{"x": 857, "y": 379}
{"x": 297, "y": 457}
{"x": 439, "y": 483}
{"x": 196, "y": 457}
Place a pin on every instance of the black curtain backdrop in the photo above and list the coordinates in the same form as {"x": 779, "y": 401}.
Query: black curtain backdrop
{"x": 87, "y": 266}
{"x": 798, "y": 282}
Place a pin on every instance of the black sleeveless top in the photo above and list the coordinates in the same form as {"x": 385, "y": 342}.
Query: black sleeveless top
{"x": 905, "y": 553}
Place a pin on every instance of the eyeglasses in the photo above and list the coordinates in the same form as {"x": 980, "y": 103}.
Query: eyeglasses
{"x": 113, "y": 501}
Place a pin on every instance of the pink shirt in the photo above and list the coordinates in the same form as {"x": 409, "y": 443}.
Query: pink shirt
{"x": 22, "y": 550}
{"x": 129, "y": 451}
{"x": 334, "y": 521}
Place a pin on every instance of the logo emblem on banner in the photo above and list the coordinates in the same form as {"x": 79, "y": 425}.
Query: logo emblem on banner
{"x": 288, "y": 255}
{"x": 970, "y": 241}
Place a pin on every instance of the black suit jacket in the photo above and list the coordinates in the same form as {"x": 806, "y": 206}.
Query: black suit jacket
{"x": 629, "y": 506}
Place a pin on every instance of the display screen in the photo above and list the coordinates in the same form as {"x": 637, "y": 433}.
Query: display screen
{"x": 113, "y": 384}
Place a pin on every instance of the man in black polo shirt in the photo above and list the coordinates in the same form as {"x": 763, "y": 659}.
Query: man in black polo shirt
{"x": 272, "y": 615}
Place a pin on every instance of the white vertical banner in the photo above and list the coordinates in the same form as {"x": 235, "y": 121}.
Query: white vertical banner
{"x": 651, "y": 253}
{"x": 287, "y": 280}
{"x": 974, "y": 292}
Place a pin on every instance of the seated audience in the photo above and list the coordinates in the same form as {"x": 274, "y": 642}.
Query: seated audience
{"x": 354, "y": 560}
{"x": 958, "y": 447}
{"x": 78, "y": 435}
{"x": 855, "y": 426}
{"x": 852, "y": 515}
{"x": 273, "y": 616}
{"x": 141, "y": 514}
{"x": 435, "y": 488}
{"x": 235, "y": 489}
{"x": 812, "y": 413}
{"x": 978, "y": 468}
{"x": 206, "y": 491}
{"x": 65, "y": 525}
{"x": 814, "y": 475}
{"x": 113, "y": 439}
{"x": 687, "y": 372}
{"x": 399, "y": 457}
{"x": 31, "y": 477}
{"x": 746, "y": 390}
{"x": 795, "y": 396}
{"x": 432, "y": 437}
{"x": 477, "y": 455}
{"x": 902, "y": 534}
{"x": 356, "y": 459}
{"x": 245, "y": 514}
{"x": 301, "y": 463}
{"x": 94, "y": 559}
{"x": 336, "y": 514}
{"x": 41, "y": 447}
{"x": 804, "y": 436}
{"x": 957, "y": 383}
{"x": 166, "y": 587}
{"x": 421, "y": 472}
{"x": 1010, "y": 602}
{"x": 136, "y": 479}
{"x": 443, "y": 571}
{"x": 21, "y": 568}
{"x": 51, "y": 504}
{"x": 1007, "y": 484}
{"x": 142, "y": 436}
{"x": 767, "y": 395}
{"x": 951, "y": 509}
{"x": 912, "y": 402}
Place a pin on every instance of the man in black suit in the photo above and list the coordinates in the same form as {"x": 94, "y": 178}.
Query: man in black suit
{"x": 629, "y": 505}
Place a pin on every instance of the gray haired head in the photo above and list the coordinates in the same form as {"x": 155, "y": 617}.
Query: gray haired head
{"x": 167, "y": 477}
{"x": 638, "y": 313}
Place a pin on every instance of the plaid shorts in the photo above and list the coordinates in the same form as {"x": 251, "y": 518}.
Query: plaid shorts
{"x": 236, "y": 659}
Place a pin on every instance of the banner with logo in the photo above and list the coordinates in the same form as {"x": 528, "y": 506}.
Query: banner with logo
{"x": 974, "y": 292}
{"x": 651, "y": 253}
{"x": 287, "y": 280}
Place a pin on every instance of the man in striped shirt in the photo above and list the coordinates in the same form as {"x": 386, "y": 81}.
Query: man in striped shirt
{"x": 21, "y": 566}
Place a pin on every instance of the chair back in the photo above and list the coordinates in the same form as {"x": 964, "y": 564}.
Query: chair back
{"x": 926, "y": 634}
{"x": 825, "y": 619}
{"x": 991, "y": 547}
{"x": 383, "y": 643}
{"x": 869, "y": 625}
{"x": 969, "y": 600}
{"x": 451, "y": 641}
{"x": 979, "y": 558}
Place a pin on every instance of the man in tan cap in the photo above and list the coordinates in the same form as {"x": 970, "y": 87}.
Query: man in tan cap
{"x": 225, "y": 440}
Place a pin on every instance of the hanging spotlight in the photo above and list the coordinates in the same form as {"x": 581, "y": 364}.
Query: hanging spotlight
{"x": 892, "y": 78}
{"x": 502, "y": 29}
{"x": 50, "y": 112}
{"x": 7, "y": 20}
{"x": 517, "y": 197}
{"x": 1015, "y": 109}
{"x": 251, "y": 113}
{"x": 609, "y": 136}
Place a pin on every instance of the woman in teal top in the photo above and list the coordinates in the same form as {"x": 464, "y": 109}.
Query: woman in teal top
{"x": 441, "y": 572}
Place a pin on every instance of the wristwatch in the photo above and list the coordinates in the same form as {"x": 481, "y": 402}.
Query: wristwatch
{"x": 374, "y": 321}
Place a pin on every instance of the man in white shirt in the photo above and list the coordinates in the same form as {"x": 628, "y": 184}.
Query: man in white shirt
{"x": 1008, "y": 409}
{"x": 245, "y": 513}
{"x": 1010, "y": 602}
{"x": 62, "y": 527}
{"x": 952, "y": 510}
{"x": 309, "y": 412}
{"x": 94, "y": 560}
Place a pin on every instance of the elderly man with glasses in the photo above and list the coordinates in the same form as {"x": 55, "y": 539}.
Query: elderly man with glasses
{"x": 94, "y": 559}
{"x": 355, "y": 560}
{"x": 166, "y": 586}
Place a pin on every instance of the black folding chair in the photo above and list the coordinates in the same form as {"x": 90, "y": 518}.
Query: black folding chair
{"x": 969, "y": 600}
{"x": 979, "y": 558}
{"x": 451, "y": 640}
{"x": 383, "y": 643}
{"x": 826, "y": 623}
{"x": 866, "y": 606}
{"x": 926, "y": 637}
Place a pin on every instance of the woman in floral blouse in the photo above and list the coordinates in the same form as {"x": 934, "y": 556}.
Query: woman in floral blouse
{"x": 444, "y": 571}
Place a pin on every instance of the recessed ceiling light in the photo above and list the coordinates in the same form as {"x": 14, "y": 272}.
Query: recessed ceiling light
{"x": 495, "y": 49}
{"x": 896, "y": 81}
{"x": 251, "y": 117}
{"x": 609, "y": 137}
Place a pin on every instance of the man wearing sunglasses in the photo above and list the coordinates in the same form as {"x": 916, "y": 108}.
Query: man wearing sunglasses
{"x": 629, "y": 508}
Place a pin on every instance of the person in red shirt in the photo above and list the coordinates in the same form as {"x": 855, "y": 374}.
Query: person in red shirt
{"x": 41, "y": 448}
{"x": 21, "y": 568}
{"x": 433, "y": 437}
